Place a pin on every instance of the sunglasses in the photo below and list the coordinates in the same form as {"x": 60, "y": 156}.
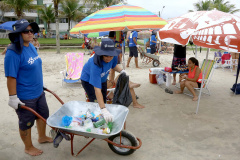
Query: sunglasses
{"x": 26, "y": 31}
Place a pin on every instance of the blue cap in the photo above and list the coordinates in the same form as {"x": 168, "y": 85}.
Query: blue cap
{"x": 20, "y": 26}
{"x": 107, "y": 48}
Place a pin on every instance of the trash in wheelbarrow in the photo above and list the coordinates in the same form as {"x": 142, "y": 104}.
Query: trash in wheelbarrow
{"x": 74, "y": 108}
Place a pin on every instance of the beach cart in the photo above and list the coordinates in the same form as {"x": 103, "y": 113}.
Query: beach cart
{"x": 120, "y": 141}
{"x": 148, "y": 58}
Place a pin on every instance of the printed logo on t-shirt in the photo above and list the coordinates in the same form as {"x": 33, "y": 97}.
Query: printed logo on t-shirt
{"x": 31, "y": 60}
{"x": 103, "y": 74}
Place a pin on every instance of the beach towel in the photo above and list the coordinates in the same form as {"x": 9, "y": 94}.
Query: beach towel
{"x": 74, "y": 63}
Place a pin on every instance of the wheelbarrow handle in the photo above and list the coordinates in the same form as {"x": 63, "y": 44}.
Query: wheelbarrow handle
{"x": 45, "y": 89}
{"x": 31, "y": 110}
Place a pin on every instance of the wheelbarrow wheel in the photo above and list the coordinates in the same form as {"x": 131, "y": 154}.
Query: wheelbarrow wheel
{"x": 126, "y": 139}
{"x": 156, "y": 63}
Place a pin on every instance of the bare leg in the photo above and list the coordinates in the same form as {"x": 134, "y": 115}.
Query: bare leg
{"x": 27, "y": 140}
{"x": 174, "y": 79}
{"x": 182, "y": 86}
{"x": 135, "y": 103}
{"x": 41, "y": 127}
{"x": 129, "y": 59}
{"x": 131, "y": 84}
{"x": 136, "y": 62}
{"x": 190, "y": 86}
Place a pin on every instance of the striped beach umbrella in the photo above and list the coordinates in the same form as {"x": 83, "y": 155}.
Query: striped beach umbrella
{"x": 120, "y": 17}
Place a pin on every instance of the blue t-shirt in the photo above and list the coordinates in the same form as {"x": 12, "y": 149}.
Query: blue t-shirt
{"x": 132, "y": 35}
{"x": 27, "y": 69}
{"x": 153, "y": 38}
{"x": 96, "y": 75}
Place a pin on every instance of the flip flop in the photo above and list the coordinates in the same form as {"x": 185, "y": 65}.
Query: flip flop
{"x": 168, "y": 91}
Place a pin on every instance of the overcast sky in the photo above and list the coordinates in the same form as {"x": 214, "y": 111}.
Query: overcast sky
{"x": 173, "y": 8}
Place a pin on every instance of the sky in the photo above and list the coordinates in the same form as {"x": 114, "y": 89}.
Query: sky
{"x": 173, "y": 8}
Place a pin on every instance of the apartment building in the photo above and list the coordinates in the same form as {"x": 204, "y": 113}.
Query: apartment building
{"x": 32, "y": 16}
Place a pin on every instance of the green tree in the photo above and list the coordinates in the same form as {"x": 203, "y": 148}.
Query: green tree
{"x": 19, "y": 6}
{"x": 72, "y": 10}
{"x": 100, "y": 4}
{"x": 4, "y": 8}
{"x": 203, "y": 5}
{"x": 223, "y": 6}
{"x": 56, "y": 3}
{"x": 47, "y": 15}
{"x": 220, "y": 5}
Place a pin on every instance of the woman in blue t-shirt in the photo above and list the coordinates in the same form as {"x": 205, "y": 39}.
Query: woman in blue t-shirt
{"x": 23, "y": 69}
{"x": 95, "y": 72}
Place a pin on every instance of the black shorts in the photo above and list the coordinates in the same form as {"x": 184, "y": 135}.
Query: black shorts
{"x": 89, "y": 89}
{"x": 199, "y": 84}
{"x": 27, "y": 118}
{"x": 133, "y": 51}
{"x": 153, "y": 49}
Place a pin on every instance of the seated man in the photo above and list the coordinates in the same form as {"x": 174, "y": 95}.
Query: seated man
{"x": 192, "y": 79}
{"x": 132, "y": 85}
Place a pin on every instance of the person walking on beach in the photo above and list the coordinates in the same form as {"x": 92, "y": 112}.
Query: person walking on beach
{"x": 133, "y": 48}
{"x": 23, "y": 69}
{"x": 153, "y": 42}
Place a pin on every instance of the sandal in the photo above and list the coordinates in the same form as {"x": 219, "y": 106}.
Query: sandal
{"x": 168, "y": 91}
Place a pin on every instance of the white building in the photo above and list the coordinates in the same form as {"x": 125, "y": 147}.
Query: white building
{"x": 32, "y": 16}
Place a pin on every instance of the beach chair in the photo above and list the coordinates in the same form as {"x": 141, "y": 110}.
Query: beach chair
{"x": 207, "y": 77}
{"x": 227, "y": 61}
{"x": 218, "y": 59}
{"x": 147, "y": 57}
{"x": 74, "y": 65}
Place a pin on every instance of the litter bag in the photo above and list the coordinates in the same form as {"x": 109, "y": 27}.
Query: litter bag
{"x": 122, "y": 94}
{"x": 236, "y": 87}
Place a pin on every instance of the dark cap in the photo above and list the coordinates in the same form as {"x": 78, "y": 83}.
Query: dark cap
{"x": 20, "y": 26}
{"x": 107, "y": 48}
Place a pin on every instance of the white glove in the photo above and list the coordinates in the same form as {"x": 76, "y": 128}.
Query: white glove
{"x": 138, "y": 46}
{"x": 14, "y": 101}
{"x": 107, "y": 115}
{"x": 123, "y": 71}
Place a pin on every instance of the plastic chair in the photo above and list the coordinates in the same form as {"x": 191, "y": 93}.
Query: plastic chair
{"x": 227, "y": 61}
{"x": 74, "y": 65}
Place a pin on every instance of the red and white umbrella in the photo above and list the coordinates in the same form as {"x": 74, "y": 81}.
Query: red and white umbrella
{"x": 211, "y": 29}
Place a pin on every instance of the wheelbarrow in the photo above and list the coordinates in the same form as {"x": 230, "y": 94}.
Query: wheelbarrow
{"x": 120, "y": 141}
{"x": 147, "y": 57}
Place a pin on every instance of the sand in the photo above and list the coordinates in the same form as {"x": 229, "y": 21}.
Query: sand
{"x": 168, "y": 126}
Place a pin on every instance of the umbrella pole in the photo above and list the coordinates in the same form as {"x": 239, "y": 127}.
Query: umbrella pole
{"x": 123, "y": 60}
{"x": 196, "y": 51}
{"x": 203, "y": 77}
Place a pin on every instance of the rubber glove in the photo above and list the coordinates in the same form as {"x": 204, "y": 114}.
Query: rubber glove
{"x": 107, "y": 115}
{"x": 14, "y": 101}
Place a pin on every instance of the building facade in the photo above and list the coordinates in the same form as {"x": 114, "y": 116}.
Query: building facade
{"x": 33, "y": 16}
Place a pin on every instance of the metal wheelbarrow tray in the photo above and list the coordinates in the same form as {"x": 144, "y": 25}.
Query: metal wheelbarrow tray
{"x": 120, "y": 141}
{"x": 73, "y": 108}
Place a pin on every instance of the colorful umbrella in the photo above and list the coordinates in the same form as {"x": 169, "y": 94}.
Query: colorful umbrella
{"x": 7, "y": 25}
{"x": 96, "y": 34}
{"x": 120, "y": 17}
{"x": 211, "y": 29}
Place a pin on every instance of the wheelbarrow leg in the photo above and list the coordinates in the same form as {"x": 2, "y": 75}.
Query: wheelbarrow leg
{"x": 72, "y": 136}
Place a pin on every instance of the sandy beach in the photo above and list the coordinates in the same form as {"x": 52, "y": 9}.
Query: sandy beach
{"x": 168, "y": 126}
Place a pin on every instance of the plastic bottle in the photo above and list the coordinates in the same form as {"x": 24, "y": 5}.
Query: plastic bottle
{"x": 88, "y": 123}
{"x": 99, "y": 123}
{"x": 110, "y": 125}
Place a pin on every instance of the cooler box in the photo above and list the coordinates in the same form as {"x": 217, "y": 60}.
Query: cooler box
{"x": 152, "y": 74}
{"x": 148, "y": 50}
